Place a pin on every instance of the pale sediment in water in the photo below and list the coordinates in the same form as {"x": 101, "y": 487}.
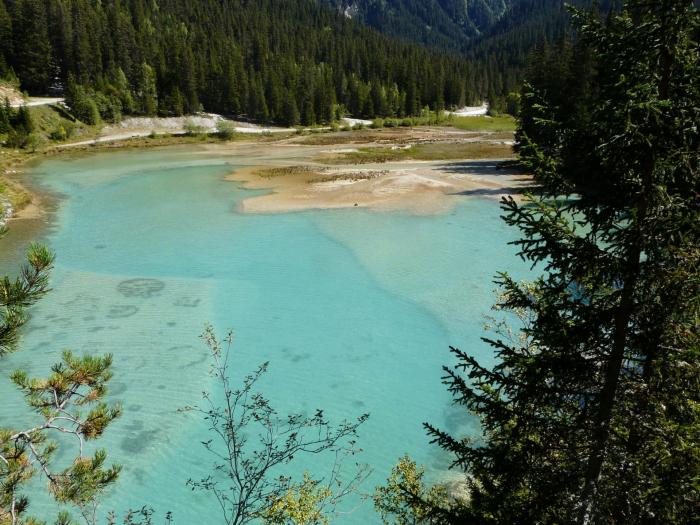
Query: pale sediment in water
{"x": 354, "y": 310}
{"x": 6, "y": 210}
{"x": 419, "y": 187}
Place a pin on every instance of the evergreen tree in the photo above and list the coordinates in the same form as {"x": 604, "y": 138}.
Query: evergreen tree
{"x": 82, "y": 104}
{"x": 22, "y": 121}
{"x": 123, "y": 88}
{"x": 590, "y": 415}
{"x": 6, "y": 115}
{"x": 69, "y": 401}
{"x": 290, "y": 112}
{"x": 147, "y": 92}
{"x": 32, "y": 49}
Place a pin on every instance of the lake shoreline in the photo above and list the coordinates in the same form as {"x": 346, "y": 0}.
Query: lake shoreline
{"x": 15, "y": 164}
{"x": 422, "y": 187}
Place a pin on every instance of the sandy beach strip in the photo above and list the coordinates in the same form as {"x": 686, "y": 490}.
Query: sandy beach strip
{"x": 420, "y": 187}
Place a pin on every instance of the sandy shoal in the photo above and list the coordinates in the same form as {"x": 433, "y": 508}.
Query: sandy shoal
{"x": 420, "y": 187}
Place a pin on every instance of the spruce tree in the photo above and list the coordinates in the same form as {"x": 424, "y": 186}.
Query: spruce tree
{"x": 5, "y": 117}
{"x": 591, "y": 414}
{"x": 23, "y": 121}
{"x": 147, "y": 92}
{"x": 290, "y": 112}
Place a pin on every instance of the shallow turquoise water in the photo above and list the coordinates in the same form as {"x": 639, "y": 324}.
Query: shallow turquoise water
{"x": 354, "y": 310}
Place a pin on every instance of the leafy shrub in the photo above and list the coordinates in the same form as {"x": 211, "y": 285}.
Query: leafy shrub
{"x": 59, "y": 134}
{"x": 110, "y": 107}
{"x": 34, "y": 142}
{"x": 225, "y": 129}
{"x": 193, "y": 129}
{"x": 16, "y": 139}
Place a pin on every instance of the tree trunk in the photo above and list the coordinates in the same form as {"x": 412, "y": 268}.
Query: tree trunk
{"x": 626, "y": 307}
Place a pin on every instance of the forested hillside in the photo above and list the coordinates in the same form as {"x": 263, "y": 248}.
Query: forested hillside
{"x": 525, "y": 25}
{"x": 446, "y": 24}
{"x": 498, "y": 35}
{"x": 287, "y": 61}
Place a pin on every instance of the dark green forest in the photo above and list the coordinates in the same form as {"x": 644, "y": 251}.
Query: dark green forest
{"x": 283, "y": 61}
{"x": 443, "y": 24}
{"x": 270, "y": 60}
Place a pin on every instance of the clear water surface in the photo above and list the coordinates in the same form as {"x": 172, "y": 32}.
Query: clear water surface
{"x": 354, "y": 310}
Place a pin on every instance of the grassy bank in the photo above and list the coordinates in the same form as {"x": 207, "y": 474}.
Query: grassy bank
{"x": 435, "y": 151}
{"x": 485, "y": 123}
{"x": 495, "y": 124}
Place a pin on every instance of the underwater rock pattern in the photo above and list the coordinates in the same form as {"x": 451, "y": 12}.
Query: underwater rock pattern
{"x": 144, "y": 288}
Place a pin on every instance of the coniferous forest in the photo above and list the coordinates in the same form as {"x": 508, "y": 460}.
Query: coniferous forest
{"x": 278, "y": 61}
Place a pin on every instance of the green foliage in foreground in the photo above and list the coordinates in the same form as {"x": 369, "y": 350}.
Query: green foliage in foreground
{"x": 251, "y": 445}
{"x": 406, "y": 498}
{"x": 67, "y": 402}
{"x": 16, "y": 295}
{"x": 591, "y": 415}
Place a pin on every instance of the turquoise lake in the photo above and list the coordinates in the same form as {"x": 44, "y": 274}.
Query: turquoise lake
{"x": 354, "y": 310}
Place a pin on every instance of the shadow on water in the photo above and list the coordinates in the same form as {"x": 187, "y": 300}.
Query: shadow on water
{"x": 490, "y": 168}
{"x": 485, "y": 192}
{"x": 494, "y": 168}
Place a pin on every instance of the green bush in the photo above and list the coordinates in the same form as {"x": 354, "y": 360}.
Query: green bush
{"x": 377, "y": 123}
{"x": 16, "y": 139}
{"x": 110, "y": 107}
{"x": 225, "y": 129}
{"x": 34, "y": 142}
{"x": 85, "y": 109}
{"x": 193, "y": 129}
{"x": 59, "y": 134}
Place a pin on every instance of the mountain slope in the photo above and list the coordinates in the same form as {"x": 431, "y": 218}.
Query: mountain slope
{"x": 447, "y": 24}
